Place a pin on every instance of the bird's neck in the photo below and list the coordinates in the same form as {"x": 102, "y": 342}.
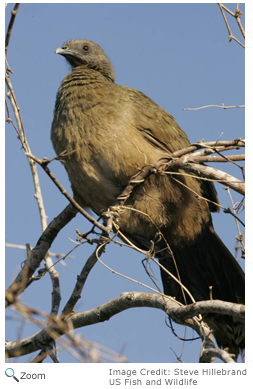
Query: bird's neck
{"x": 104, "y": 69}
{"x": 81, "y": 76}
{"x": 77, "y": 86}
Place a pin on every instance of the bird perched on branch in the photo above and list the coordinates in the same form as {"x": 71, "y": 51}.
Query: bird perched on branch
{"x": 111, "y": 131}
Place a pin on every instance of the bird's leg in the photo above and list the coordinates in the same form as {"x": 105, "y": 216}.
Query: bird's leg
{"x": 110, "y": 216}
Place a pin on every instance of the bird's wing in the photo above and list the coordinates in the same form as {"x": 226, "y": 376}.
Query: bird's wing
{"x": 161, "y": 129}
{"x": 157, "y": 125}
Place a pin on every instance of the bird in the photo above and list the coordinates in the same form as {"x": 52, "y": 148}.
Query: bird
{"x": 110, "y": 132}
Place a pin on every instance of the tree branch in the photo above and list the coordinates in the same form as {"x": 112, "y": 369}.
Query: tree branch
{"x": 237, "y": 16}
{"x": 10, "y": 26}
{"x": 209, "y": 306}
{"x": 81, "y": 279}
{"x": 186, "y": 160}
{"x": 210, "y": 173}
{"x": 125, "y": 301}
{"x": 38, "y": 253}
{"x": 38, "y": 194}
{"x": 43, "y": 163}
{"x": 214, "y": 105}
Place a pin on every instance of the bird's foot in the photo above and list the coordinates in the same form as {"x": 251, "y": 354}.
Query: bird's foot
{"x": 110, "y": 216}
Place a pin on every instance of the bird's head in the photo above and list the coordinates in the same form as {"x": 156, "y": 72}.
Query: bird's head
{"x": 79, "y": 52}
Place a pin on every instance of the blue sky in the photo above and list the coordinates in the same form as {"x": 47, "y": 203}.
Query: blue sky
{"x": 178, "y": 55}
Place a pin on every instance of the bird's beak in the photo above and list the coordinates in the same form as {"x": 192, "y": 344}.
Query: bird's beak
{"x": 61, "y": 51}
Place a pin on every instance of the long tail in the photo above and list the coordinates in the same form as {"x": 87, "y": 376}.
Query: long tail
{"x": 203, "y": 264}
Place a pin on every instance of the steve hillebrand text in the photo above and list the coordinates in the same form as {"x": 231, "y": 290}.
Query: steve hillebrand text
{"x": 169, "y": 377}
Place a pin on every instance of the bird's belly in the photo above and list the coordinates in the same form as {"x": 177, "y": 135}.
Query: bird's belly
{"x": 91, "y": 188}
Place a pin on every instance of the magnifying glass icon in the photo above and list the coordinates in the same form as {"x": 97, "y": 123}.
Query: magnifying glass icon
{"x": 10, "y": 373}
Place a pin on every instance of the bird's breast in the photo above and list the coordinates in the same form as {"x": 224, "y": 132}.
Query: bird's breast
{"x": 101, "y": 157}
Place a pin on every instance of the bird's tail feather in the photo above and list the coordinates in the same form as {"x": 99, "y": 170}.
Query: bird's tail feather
{"x": 209, "y": 271}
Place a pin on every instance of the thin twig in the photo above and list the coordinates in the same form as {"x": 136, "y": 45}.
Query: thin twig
{"x": 215, "y": 145}
{"x": 220, "y": 158}
{"x": 214, "y": 105}
{"x": 239, "y": 239}
{"x": 10, "y": 26}
{"x": 237, "y": 16}
{"x": 131, "y": 279}
{"x": 44, "y": 166}
{"x": 22, "y": 247}
{"x": 81, "y": 279}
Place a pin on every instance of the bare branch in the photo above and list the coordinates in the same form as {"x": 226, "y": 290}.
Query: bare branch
{"x": 81, "y": 279}
{"x": 43, "y": 163}
{"x": 38, "y": 194}
{"x": 237, "y": 16}
{"x": 38, "y": 253}
{"x": 185, "y": 160}
{"x": 106, "y": 311}
{"x": 214, "y": 105}
{"x": 9, "y": 30}
{"x": 220, "y": 158}
{"x": 22, "y": 247}
{"x": 211, "y": 173}
{"x": 240, "y": 238}
{"x": 214, "y": 145}
{"x": 209, "y": 306}
{"x": 216, "y": 353}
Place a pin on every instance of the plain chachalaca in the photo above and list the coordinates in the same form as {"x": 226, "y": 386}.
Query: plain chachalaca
{"x": 111, "y": 131}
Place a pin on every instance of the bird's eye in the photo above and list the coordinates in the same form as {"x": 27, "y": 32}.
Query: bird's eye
{"x": 86, "y": 48}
